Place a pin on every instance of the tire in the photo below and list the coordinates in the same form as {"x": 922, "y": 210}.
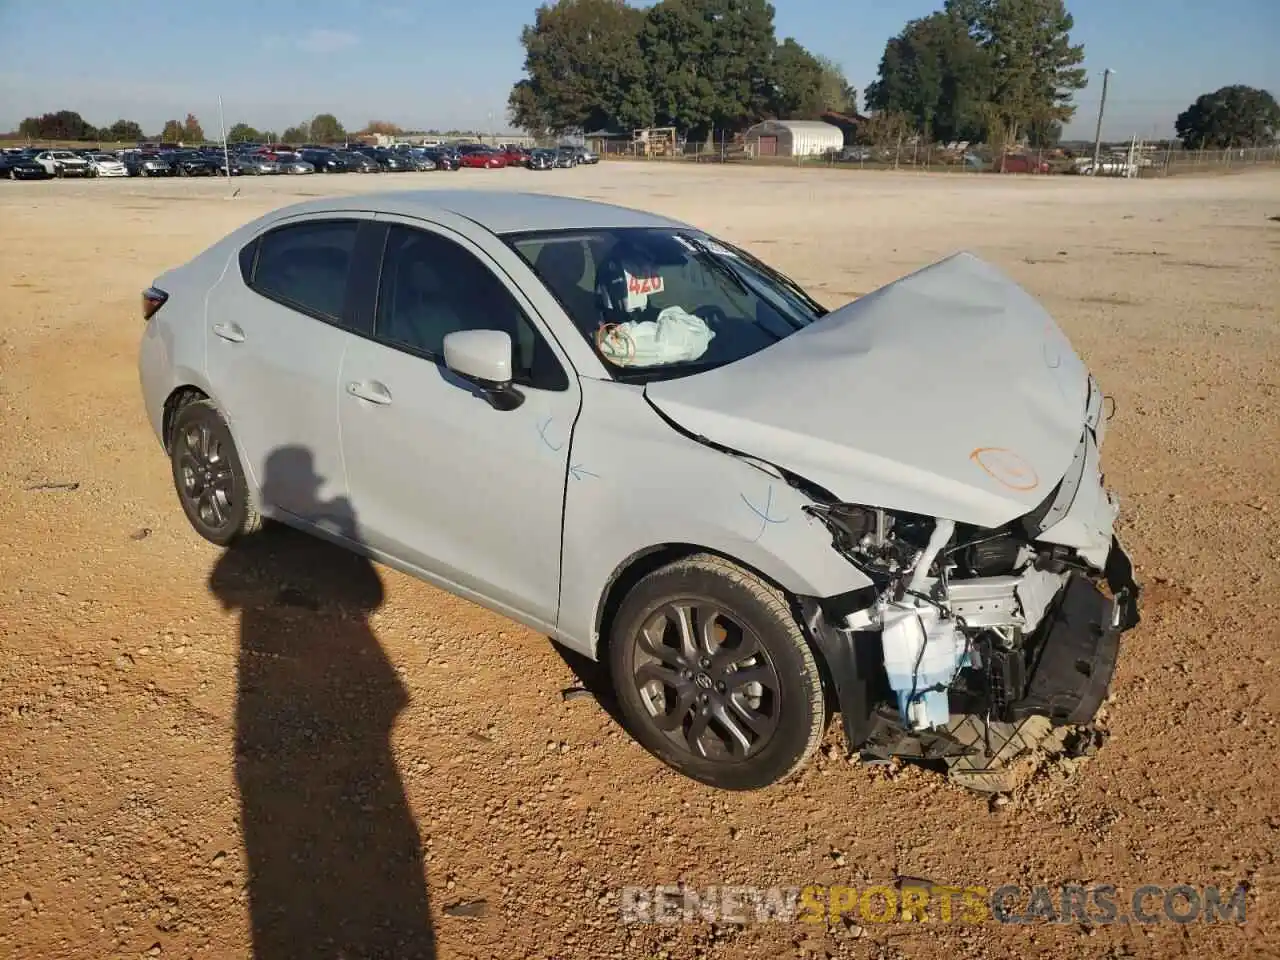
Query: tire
{"x": 203, "y": 459}
{"x": 739, "y": 624}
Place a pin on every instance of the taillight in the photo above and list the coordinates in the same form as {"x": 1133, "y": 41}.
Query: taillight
{"x": 153, "y": 298}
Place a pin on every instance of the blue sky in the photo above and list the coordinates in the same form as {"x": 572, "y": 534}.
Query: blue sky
{"x": 450, "y": 64}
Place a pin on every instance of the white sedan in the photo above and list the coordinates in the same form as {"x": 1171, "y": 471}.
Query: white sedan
{"x": 105, "y": 165}
{"x": 656, "y": 449}
{"x": 64, "y": 163}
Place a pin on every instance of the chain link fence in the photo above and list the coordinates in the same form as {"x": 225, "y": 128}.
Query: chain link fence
{"x": 1149, "y": 160}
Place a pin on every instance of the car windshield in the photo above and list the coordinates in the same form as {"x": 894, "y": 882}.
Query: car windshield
{"x": 659, "y": 303}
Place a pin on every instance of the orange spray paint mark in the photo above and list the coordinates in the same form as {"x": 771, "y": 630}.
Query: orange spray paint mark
{"x": 1006, "y": 468}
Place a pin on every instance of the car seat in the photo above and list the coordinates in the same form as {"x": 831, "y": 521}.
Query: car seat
{"x": 563, "y": 264}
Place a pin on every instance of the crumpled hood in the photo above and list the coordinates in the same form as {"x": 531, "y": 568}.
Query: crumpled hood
{"x": 950, "y": 392}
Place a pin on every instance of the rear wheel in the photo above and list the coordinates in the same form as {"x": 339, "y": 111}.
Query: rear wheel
{"x": 714, "y": 676}
{"x": 208, "y": 476}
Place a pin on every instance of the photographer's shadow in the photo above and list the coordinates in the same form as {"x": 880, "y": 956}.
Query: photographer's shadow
{"x": 333, "y": 854}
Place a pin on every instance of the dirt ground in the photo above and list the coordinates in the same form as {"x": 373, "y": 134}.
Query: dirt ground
{"x": 124, "y": 651}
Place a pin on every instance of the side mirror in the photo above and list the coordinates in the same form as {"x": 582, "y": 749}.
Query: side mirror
{"x": 484, "y": 358}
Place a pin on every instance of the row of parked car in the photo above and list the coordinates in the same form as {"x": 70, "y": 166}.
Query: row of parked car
{"x": 251, "y": 159}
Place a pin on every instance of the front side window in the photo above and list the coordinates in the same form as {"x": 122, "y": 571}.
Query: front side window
{"x": 659, "y": 303}
{"x": 431, "y": 287}
{"x": 305, "y": 265}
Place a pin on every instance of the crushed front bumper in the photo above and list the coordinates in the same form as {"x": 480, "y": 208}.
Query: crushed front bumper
{"x": 1077, "y": 646}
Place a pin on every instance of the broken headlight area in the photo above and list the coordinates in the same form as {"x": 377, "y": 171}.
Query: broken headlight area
{"x": 964, "y": 624}
{"x": 886, "y": 545}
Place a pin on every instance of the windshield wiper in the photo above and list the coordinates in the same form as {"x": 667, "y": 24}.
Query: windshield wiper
{"x": 781, "y": 279}
{"x": 746, "y": 287}
{"x": 720, "y": 267}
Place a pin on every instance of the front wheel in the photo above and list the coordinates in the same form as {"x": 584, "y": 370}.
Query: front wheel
{"x": 208, "y": 476}
{"x": 714, "y": 676}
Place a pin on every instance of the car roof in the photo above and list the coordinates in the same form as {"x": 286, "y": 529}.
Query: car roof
{"x": 498, "y": 211}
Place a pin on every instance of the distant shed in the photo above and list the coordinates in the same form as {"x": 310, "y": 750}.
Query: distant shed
{"x": 793, "y": 138}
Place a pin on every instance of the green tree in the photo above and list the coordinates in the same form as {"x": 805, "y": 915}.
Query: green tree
{"x": 806, "y": 85}
{"x": 1044, "y": 133}
{"x": 173, "y": 131}
{"x": 885, "y": 129}
{"x": 192, "y": 132}
{"x": 999, "y": 69}
{"x": 62, "y": 125}
{"x": 798, "y": 82}
{"x": 710, "y": 63}
{"x": 299, "y": 134}
{"x": 1233, "y": 116}
{"x": 583, "y": 68}
{"x": 242, "y": 132}
{"x": 1034, "y": 68}
{"x": 325, "y": 128}
{"x": 122, "y": 131}
{"x": 935, "y": 74}
{"x": 836, "y": 92}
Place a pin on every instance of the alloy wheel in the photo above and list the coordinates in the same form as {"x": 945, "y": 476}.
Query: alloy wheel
{"x": 706, "y": 681}
{"x": 205, "y": 476}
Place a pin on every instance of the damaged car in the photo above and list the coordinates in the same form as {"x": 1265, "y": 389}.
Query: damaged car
{"x": 666, "y": 455}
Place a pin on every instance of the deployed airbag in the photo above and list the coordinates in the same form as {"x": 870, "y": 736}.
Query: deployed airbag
{"x": 676, "y": 336}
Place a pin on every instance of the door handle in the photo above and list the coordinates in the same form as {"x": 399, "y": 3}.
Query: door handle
{"x": 370, "y": 390}
{"x": 229, "y": 331}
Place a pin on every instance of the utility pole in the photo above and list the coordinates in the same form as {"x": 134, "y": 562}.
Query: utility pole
{"x": 226, "y": 149}
{"x": 1102, "y": 106}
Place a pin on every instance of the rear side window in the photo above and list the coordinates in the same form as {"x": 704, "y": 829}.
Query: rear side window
{"x": 305, "y": 266}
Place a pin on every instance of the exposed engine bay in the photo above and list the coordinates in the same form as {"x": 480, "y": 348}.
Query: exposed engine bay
{"x": 964, "y": 622}
{"x": 989, "y": 587}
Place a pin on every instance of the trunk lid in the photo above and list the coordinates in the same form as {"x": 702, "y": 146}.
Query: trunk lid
{"x": 950, "y": 392}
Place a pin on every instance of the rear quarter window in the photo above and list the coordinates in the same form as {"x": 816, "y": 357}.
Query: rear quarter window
{"x": 248, "y": 254}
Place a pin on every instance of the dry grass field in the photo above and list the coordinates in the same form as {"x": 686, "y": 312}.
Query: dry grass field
{"x": 120, "y": 815}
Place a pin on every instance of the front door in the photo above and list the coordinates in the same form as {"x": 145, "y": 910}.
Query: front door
{"x": 470, "y": 495}
{"x": 275, "y": 340}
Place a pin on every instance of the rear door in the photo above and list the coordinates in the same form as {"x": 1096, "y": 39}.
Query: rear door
{"x": 276, "y": 330}
{"x": 469, "y": 495}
